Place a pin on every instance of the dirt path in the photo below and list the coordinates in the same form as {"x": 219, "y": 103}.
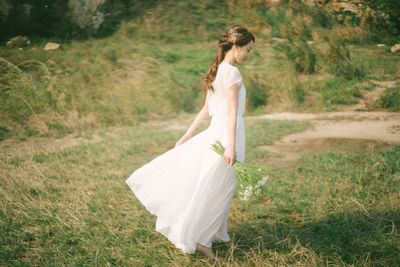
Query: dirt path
{"x": 345, "y": 131}
{"x": 334, "y": 132}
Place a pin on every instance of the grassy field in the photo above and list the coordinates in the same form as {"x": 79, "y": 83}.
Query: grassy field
{"x": 70, "y": 205}
{"x": 76, "y": 122}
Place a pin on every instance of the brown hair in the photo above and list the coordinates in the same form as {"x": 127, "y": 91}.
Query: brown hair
{"x": 235, "y": 35}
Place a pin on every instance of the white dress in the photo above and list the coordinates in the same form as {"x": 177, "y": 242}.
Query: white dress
{"x": 190, "y": 187}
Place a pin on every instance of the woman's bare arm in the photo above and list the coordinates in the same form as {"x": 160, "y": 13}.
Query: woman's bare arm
{"x": 232, "y": 98}
{"x": 199, "y": 118}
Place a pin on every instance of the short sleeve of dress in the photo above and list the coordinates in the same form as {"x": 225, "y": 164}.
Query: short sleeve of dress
{"x": 232, "y": 75}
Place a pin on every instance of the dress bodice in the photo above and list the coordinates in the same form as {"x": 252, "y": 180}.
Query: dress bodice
{"x": 226, "y": 76}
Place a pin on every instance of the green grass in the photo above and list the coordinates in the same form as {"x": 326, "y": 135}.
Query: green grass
{"x": 340, "y": 92}
{"x": 71, "y": 206}
{"x": 390, "y": 98}
{"x": 150, "y": 68}
{"x": 379, "y": 63}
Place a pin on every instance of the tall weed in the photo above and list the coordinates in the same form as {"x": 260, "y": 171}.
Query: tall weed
{"x": 297, "y": 48}
{"x": 337, "y": 57}
{"x": 340, "y": 92}
{"x": 298, "y": 93}
{"x": 256, "y": 92}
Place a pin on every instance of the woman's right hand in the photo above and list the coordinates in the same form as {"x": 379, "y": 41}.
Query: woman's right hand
{"x": 183, "y": 139}
{"x": 230, "y": 155}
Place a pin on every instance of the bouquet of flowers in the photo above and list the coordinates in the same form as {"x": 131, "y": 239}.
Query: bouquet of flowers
{"x": 250, "y": 177}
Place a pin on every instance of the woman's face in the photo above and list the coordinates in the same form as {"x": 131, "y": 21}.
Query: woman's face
{"x": 242, "y": 52}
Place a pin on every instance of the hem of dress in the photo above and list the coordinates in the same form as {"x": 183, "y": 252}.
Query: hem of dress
{"x": 168, "y": 236}
{"x": 183, "y": 247}
{"x": 139, "y": 197}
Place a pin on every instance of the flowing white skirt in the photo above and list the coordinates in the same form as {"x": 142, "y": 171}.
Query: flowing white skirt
{"x": 190, "y": 187}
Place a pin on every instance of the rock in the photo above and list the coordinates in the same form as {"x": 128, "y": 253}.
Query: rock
{"x": 18, "y": 41}
{"x": 309, "y": 2}
{"x": 87, "y": 13}
{"x": 346, "y": 7}
{"x": 278, "y": 40}
{"x": 395, "y": 48}
{"x": 272, "y": 2}
{"x": 320, "y": 3}
{"x": 51, "y": 46}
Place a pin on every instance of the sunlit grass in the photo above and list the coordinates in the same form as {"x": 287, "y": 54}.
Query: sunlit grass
{"x": 70, "y": 206}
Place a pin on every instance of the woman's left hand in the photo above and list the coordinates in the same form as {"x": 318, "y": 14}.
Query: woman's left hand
{"x": 183, "y": 139}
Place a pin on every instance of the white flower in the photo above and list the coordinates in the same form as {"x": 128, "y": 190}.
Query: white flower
{"x": 244, "y": 195}
{"x": 247, "y": 193}
{"x": 262, "y": 181}
{"x": 244, "y": 198}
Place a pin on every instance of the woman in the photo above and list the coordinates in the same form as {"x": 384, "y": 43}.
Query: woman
{"x": 190, "y": 187}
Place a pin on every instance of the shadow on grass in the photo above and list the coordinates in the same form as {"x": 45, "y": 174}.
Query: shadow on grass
{"x": 340, "y": 238}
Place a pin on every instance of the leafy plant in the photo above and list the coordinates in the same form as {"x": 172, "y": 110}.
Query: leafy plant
{"x": 298, "y": 93}
{"x": 340, "y": 92}
{"x": 337, "y": 57}
{"x": 390, "y": 98}
{"x": 389, "y": 19}
{"x": 297, "y": 47}
{"x": 256, "y": 93}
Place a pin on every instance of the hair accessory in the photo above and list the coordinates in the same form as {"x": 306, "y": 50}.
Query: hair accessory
{"x": 233, "y": 36}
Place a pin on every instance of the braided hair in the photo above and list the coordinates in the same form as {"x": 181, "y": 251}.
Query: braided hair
{"x": 235, "y": 35}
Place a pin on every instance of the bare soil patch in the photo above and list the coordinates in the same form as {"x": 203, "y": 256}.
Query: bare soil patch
{"x": 341, "y": 132}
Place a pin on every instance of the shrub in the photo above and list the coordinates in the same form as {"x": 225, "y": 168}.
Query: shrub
{"x": 298, "y": 93}
{"x": 390, "y": 98}
{"x": 348, "y": 70}
{"x": 300, "y": 54}
{"x": 388, "y": 19}
{"x": 4, "y": 132}
{"x": 68, "y": 19}
{"x": 296, "y": 48}
{"x": 337, "y": 57}
{"x": 257, "y": 97}
{"x": 340, "y": 92}
{"x": 256, "y": 92}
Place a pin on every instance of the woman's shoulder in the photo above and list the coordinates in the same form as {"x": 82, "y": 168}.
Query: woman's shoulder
{"x": 228, "y": 74}
{"x": 229, "y": 69}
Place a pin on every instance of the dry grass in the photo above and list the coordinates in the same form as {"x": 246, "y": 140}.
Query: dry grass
{"x": 70, "y": 206}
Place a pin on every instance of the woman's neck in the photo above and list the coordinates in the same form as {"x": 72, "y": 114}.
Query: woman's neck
{"x": 229, "y": 58}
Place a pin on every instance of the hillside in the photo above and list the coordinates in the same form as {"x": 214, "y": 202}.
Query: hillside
{"x": 151, "y": 66}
